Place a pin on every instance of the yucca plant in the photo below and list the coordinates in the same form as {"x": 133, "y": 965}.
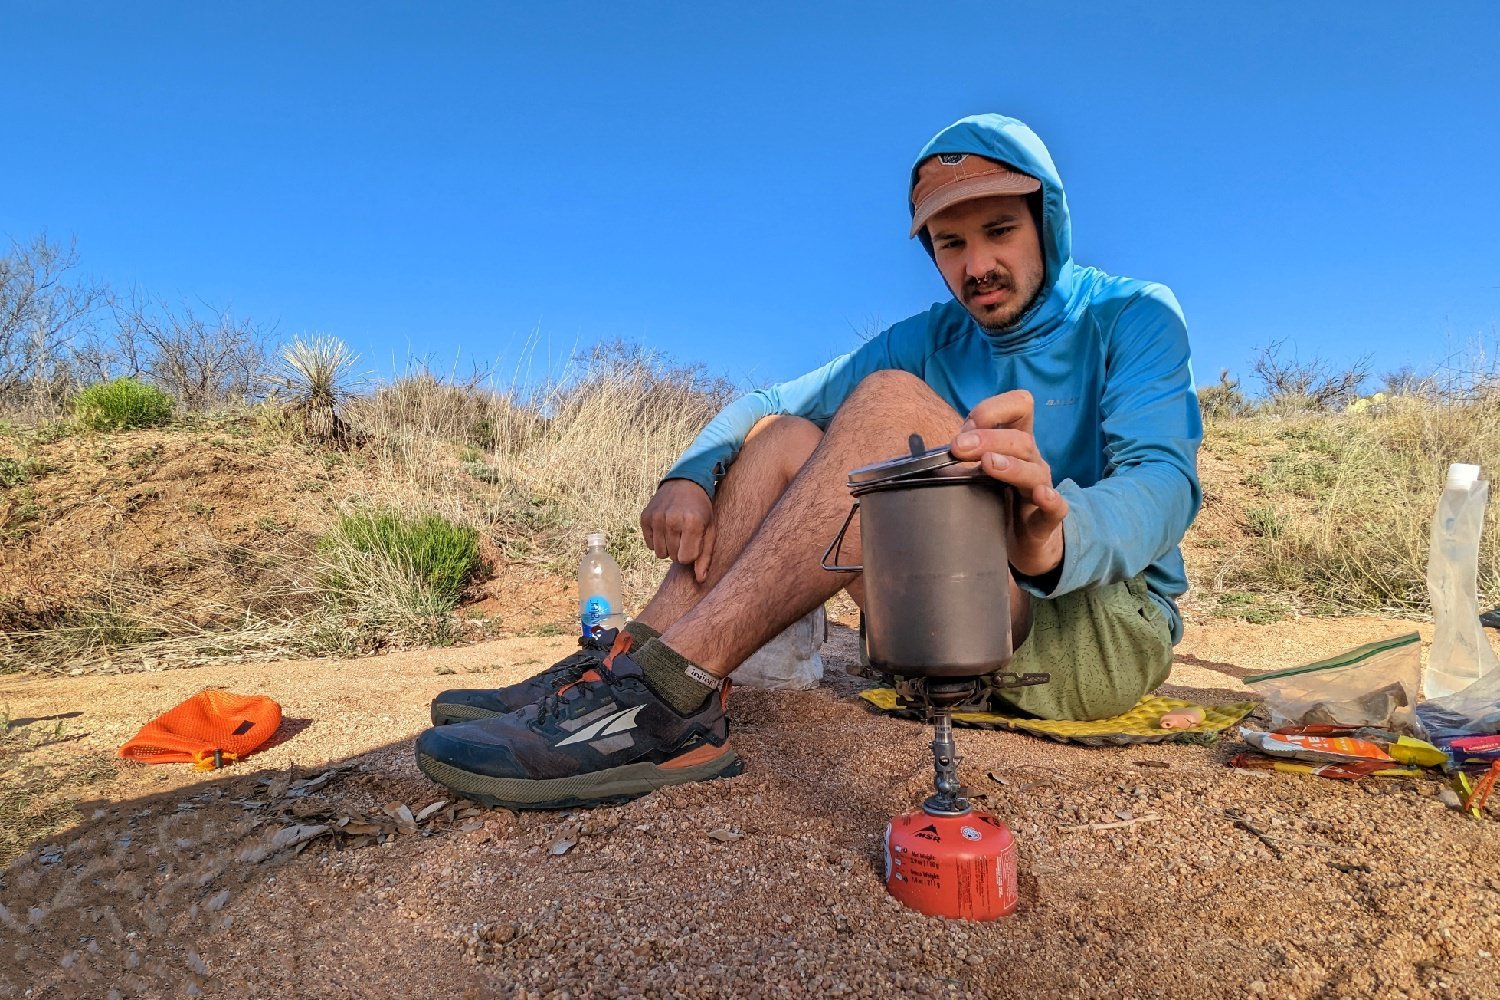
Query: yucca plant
{"x": 318, "y": 374}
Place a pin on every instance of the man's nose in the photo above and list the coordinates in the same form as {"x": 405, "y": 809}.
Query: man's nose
{"x": 978, "y": 263}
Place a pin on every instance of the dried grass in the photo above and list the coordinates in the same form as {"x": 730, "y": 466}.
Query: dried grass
{"x": 1340, "y": 505}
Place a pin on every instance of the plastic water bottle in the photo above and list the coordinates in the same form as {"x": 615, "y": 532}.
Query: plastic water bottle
{"x": 1460, "y": 653}
{"x": 600, "y": 589}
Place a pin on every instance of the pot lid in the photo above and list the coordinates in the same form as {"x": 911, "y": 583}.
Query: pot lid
{"x": 921, "y": 460}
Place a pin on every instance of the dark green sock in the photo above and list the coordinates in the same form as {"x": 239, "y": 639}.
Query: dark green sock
{"x": 676, "y": 681}
{"x": 640, "y": 632}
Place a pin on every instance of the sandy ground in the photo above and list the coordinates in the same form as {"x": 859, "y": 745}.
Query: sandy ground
{"x": 169, "y": 883}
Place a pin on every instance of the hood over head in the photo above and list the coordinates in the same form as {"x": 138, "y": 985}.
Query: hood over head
{"x": 1014, "y": 144}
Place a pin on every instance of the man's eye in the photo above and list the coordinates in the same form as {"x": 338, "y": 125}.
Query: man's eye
{"x": 951, "y": 245}
{"x": 1000, "y": 232}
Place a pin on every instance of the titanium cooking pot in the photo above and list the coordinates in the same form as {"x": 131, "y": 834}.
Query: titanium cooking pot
{"x": 936, "y": 576}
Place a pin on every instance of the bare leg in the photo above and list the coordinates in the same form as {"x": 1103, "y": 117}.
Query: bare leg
{"x": 778, "y": 577}
{"x": 774, "y": 451}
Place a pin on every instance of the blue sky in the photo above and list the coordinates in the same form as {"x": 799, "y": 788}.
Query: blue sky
{"x": 726, "y": 181}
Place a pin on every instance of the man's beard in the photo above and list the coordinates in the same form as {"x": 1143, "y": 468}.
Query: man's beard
{"x": 1006, "y": 318}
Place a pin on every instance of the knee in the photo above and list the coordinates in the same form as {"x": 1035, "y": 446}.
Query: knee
{"x": 786, "y": 433}
{"x": 892, "y": 383}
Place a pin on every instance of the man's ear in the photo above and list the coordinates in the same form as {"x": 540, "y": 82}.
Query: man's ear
{"x": 1034, "y": 202}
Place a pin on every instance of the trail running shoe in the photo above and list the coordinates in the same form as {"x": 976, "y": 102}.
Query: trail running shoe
{"x": 467, "y": 704}
{"x": 606, "y": 739}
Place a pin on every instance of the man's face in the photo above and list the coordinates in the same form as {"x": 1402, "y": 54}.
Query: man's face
{"x": 990, "y": 254}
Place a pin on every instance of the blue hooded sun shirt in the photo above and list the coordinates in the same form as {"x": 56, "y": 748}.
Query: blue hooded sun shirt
{"x": 1105, "y": 359}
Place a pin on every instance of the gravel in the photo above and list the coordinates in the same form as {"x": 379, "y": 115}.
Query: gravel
{"x": 173, "y": 883}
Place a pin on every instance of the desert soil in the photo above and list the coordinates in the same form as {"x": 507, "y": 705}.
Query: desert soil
{"x": 168, "y": 882}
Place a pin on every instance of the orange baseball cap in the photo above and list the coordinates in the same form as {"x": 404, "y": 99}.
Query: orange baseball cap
{"x": 949, "y": 178}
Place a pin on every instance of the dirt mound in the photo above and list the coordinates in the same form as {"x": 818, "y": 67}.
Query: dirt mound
{"x": 125, "y": 541}
{"x": 171, "y": 512}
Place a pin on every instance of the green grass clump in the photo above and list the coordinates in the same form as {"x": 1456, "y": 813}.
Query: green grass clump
{"x": 121, "y": 404}
{"x": 422, "y": 562}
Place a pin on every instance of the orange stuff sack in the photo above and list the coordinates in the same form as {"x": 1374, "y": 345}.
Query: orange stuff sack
{"x": 209, "y": 721}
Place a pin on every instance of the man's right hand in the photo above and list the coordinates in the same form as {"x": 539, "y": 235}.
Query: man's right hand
{"x": 678, "y": 524}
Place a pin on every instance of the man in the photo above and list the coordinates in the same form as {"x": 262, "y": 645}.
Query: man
{"x": 1070, "y": 385}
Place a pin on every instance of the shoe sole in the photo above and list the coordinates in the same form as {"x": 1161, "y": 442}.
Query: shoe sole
{"x": 444, "y": 713}
{"x": 608, "y": 787}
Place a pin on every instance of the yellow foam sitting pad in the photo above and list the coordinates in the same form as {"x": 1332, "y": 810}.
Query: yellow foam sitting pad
{"x": 1139, "y": 725}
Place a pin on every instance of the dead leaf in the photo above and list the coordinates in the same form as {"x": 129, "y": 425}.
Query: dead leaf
{"x": 401, "y": 813}
{"x": 306, "y": 785}
{"x": 429, "y": 810}
{"x": 724, "y": 836}
{"x": 562, "y": 845}
{"x": 290, "y": 836}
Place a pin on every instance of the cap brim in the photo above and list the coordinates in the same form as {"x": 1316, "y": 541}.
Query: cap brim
{"x": 967, "y": 190}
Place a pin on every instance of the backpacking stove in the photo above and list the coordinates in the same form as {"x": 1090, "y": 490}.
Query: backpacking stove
{"x": 937, "y": 607}
{"x": 949, "y": 859}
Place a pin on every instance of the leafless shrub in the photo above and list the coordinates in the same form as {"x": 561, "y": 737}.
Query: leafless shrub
{"x": 1315, "y": 385}
{"x": 1408, "y": 381}
{"x": 203, "y": 361}
{"x": 44, "y": 308}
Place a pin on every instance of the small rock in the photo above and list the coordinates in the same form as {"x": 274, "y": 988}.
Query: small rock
{"x": 1449, "y": 798}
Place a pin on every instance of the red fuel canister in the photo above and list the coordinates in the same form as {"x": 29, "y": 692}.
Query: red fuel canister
{"x": 952, "y": 866}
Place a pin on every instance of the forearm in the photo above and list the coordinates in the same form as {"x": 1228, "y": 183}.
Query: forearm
{"x": 1120, "y": 525}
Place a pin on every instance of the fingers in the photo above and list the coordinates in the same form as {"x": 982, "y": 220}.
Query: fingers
{"x": 1014, "y": 409}
{"x": 1010, "y": 456}
{"x": 1050, "y": 509}
{"x": 653, "y": 531}
{"x": 675, "y": 524}
{"x": 972, "y": 445}
{"x": 685, "y": 541}
{"x": 705, "y": 556}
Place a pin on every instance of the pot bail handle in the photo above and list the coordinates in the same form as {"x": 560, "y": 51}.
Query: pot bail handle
{"x": 838, "y": 543}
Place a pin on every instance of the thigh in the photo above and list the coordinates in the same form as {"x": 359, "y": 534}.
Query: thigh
{"x": 1105, "y": 647}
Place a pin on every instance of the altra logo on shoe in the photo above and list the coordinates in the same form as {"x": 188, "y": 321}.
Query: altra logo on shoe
{"x": 618, "y": 723}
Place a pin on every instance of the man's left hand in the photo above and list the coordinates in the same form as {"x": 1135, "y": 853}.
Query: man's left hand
{"x": 998, "y": 435}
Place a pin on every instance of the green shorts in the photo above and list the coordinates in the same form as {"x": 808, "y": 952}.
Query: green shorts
{"x": 1105, "y": 648}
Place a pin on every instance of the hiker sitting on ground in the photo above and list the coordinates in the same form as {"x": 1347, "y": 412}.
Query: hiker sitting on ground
{"x": 1069, "y": 384}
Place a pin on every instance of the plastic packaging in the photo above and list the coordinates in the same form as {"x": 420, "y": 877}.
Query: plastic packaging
{"x": 1475, "y": 709}
{"x": 600, "y": 589}
{"x": 791, "y": 659}
{"x": 1344, "y": 745}
{"x": 1460, "y": 654}
{"x": 1373, "y": 685}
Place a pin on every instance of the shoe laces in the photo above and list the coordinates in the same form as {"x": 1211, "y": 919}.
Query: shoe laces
{"x": 552, "y": 705}
{"x": 588, "y": 650}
